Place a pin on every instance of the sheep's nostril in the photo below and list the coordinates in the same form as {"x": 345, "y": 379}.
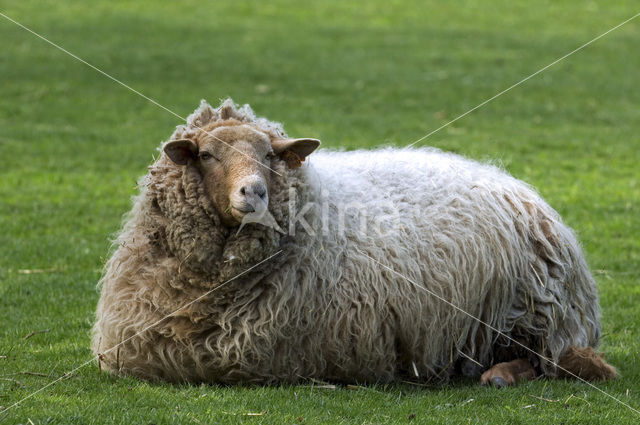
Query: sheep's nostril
{"x": 254, "y": 190}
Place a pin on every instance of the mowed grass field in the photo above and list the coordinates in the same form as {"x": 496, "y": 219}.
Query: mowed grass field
{"x": 384, "y": 72}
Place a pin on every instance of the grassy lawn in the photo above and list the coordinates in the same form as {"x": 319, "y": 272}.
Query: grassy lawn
{"x": 73, "y": 143}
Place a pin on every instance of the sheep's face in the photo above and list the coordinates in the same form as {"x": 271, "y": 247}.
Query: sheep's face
{"x": 235, "y": 163}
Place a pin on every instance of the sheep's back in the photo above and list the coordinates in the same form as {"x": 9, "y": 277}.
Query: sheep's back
{"x": 466, "y": 240}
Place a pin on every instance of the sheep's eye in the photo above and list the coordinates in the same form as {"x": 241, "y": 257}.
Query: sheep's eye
{"x": 205, "y": 155}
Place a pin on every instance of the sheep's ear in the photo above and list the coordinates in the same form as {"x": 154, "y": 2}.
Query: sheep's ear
{"x": 180, "y": 151}
{"x": 294, "y": 151}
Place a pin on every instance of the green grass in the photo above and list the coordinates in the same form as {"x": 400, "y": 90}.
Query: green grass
{"x": 72, "y": 144}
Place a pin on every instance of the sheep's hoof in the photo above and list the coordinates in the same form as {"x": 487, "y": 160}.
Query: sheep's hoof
{"x": 508, "y": 373}
{"x": 498, "y": 382}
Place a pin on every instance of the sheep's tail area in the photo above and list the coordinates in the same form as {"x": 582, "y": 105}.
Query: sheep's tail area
{"x": 558, "y": 306}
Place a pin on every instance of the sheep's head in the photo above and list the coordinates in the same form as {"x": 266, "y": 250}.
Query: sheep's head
{"x": 235, "y": 161}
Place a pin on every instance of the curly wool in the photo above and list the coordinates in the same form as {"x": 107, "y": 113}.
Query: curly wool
{"x": 322, "y": 308}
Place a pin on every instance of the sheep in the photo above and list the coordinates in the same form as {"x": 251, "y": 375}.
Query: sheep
{"x": 376, "y": 266}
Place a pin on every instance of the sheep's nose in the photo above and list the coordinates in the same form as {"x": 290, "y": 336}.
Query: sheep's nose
{"x": 257, "y": 189}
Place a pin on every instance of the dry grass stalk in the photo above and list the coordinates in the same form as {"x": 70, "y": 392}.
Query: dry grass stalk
{"x": 35, "y": 271}
{"x": 32, "y": 333}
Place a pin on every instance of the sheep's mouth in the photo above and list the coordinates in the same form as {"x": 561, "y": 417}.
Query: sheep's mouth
{"x": 245, "y": 210}
{"x": 240, "y": 212}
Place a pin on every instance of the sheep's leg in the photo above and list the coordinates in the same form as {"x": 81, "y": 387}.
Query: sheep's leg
{"x": 585, "y": 363}
{"x": 508, "y": 373}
